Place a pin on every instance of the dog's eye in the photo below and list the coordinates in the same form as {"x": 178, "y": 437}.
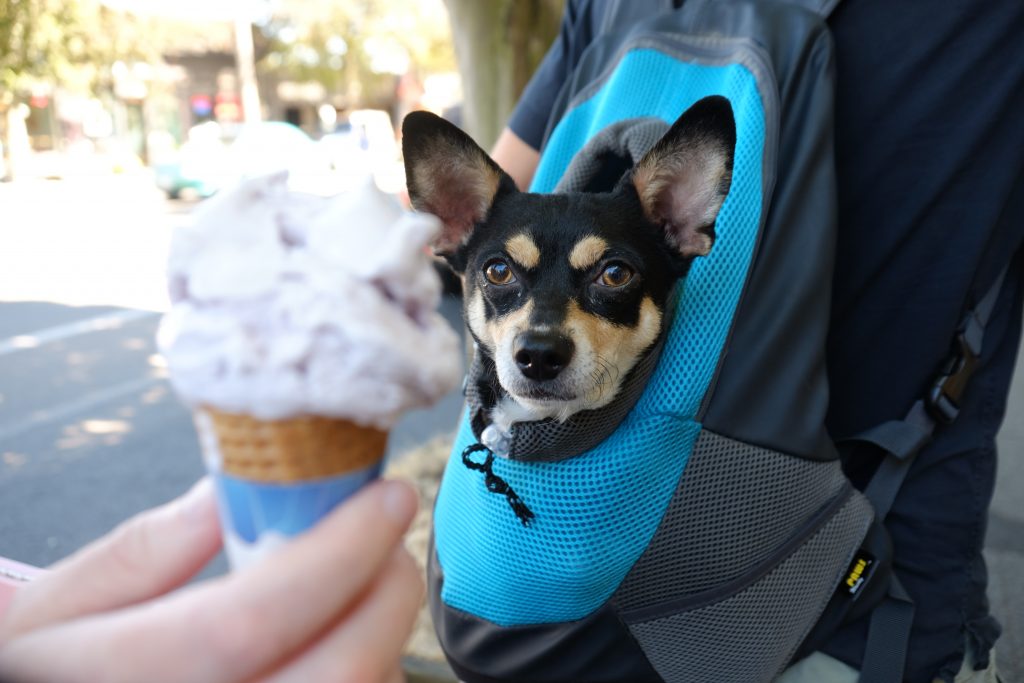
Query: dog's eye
{"x": 615, "y": 275}
{"x": 498, "y": 272}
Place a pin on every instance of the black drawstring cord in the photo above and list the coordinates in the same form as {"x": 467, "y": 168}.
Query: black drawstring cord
{"x": 496, "y": 484}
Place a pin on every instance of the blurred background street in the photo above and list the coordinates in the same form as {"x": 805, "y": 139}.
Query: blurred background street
{"x": 90, "y": 431}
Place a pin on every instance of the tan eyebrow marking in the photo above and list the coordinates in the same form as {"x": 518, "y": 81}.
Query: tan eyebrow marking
{"x": 587, "y": 252}
{"x": 523, "y": 250}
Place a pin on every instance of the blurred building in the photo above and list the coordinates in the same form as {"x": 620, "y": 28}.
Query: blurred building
{"x": 141, "y": 110}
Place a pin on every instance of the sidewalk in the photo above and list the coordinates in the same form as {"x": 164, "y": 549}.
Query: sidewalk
{"x": 81, "y": 163}
{"x": 1004, "y": 544}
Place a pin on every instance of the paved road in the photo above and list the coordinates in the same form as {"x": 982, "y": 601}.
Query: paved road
{"x": 91, "y": 433}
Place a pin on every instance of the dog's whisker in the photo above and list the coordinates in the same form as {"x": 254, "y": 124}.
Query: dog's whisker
{"x": 607, "y": 372}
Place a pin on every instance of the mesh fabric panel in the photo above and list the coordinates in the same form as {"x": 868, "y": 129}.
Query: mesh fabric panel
{"x": 596, "y": 513}
{"x": 589, "y": 525}
{"x": 741, "y": 637}
{"x": 736, "y": 505}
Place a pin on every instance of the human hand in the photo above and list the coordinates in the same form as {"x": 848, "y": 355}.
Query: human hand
{"x": 336, "y": 605}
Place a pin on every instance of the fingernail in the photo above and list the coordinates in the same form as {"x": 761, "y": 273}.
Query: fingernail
{"x": 196, "y": 503}
{"x": 400, "y": 501}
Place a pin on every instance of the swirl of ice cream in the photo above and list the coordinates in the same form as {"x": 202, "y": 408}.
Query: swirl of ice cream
{"x": 286, "y": 304}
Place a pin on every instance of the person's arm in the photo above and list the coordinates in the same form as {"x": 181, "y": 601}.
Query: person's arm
{"x": 336, "y": 604}
{"x": 517, "y": 158}
{"x": 517, "y": 148}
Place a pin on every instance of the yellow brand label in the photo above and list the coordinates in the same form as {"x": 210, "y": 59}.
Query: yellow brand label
{"x": 855, "y": 573}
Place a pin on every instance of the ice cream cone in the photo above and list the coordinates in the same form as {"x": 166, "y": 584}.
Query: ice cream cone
{"x": 295, "y": 449}
{"x": 277, "y": 478}
{"x": 285, "y": 304}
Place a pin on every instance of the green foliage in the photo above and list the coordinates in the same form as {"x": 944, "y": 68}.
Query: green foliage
{"x": 72, "y": 43}
{"x": 345, "y": 45}
{"x": 32, "y": 40}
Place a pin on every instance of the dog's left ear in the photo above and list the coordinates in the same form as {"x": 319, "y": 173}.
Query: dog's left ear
{"x": 448, "y": 175}
{"x": 683, "y": 180}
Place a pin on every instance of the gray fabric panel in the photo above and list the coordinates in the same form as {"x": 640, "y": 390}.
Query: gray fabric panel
{"x": 627, "y": 12}
{"x": 752, "y": 635}
{"x": 772, "y": 388}
{"x": 735, "y": 505}
{"x": 823, "y": 8}
{"x": 629, "y": 139}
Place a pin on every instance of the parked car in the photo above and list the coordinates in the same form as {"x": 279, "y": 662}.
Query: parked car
{"x": 217, "y": 156}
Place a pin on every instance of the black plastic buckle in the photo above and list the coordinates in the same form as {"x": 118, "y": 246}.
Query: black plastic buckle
{"x": 948, "y": 390}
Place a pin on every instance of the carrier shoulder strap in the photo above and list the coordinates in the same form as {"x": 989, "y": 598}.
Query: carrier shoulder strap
{"x": 821, "y": 7}
{"x": 625, "y": 12}
{"x": 903, "y": 439}
{"x": 889, "y": 629}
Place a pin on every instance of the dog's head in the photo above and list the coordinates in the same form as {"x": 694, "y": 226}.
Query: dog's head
{"x": 566, "y": 292}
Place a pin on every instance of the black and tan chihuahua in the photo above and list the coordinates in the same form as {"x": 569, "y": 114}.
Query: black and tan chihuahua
{"x": 566, "y": 292}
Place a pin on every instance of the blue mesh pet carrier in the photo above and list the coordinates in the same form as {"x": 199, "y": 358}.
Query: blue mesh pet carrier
{"x": 712, "y": 536}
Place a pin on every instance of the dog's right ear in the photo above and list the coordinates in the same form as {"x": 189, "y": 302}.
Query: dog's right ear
{"x": 449, "y": 176}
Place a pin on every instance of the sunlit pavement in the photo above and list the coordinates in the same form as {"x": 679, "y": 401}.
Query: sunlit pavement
{"x": 90, "y": 431}
{"x": 91, "y": 240}
{"x": 1005, "y": 540}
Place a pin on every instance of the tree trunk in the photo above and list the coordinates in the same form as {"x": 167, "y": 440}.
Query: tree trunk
{"x": 498, "y": 45}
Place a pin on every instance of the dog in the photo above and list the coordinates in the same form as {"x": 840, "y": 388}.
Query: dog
{"x": 565, "y": 293}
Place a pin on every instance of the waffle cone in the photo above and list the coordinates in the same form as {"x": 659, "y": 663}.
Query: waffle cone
{"x": 293, "y": 449}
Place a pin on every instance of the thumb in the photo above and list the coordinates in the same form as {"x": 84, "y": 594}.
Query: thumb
{"x": 145, "y": 556}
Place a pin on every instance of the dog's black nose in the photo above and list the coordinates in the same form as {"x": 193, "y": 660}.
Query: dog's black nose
{"x": 542, "y": 355}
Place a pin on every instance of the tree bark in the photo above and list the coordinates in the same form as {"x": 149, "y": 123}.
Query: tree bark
{"x": 498, "y": 45}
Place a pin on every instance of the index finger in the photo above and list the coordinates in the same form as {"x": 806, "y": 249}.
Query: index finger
{"x": 148, "y": 555}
